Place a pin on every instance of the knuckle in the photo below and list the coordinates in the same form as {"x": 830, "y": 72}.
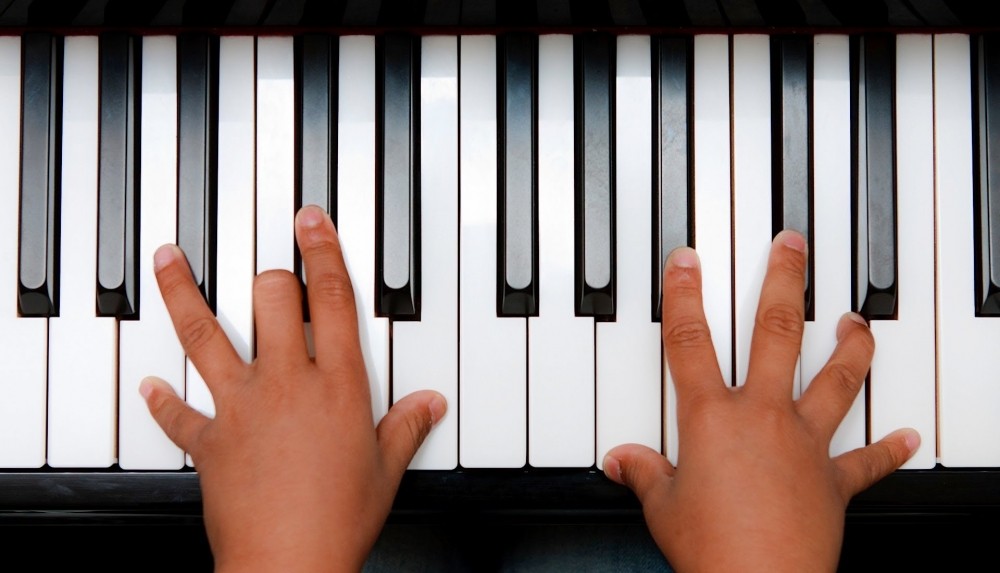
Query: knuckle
{"x": 332, "y": 288}
{"x": 195, "y": 333}
{"x": 791, "y": 264}
{"x": 844, "y": 377}
{"x": 687, "y": 334}
{"x": 171, "y": 282}
{"x": 274, "y": 284}
{"x": 782, "y": 319}
{"x": 417, "y": 429}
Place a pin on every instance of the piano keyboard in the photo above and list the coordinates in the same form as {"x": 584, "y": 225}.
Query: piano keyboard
{"x": 505, "y": 204}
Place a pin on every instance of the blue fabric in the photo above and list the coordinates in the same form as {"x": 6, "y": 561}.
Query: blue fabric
{"x": 516, "y": 548}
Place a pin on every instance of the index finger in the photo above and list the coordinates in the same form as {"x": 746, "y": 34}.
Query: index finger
{"x": 687, "y": 340}
{"x": 332, "y": 308}
{"x": 198, "y": 331}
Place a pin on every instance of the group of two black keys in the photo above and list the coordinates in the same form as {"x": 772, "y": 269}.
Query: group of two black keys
{"x": 398, "y": 160}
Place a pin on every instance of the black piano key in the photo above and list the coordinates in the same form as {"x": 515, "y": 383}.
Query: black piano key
{"x": 791, "y": 140}
{"x": 398, "y": 176}
{"x": 595, "y": 175}
{"x": 197, "y": 155}
{"x": 874, "y": 181}
{"x": 171, "y": 14}
{"x": 41, "y": 145}
{"x": 118, "y": 182}
{"x": 673, "y": 207}
{"x": 246, "y": 13}
{"x": 986, "y": 198}
{"x": 517, "y": 171}
{"x": 285, "y": 13}
{"x": 362, "y": 13}
{"x": 316, "y": 74}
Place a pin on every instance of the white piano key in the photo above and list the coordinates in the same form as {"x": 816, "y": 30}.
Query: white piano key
{"x": 492, "y": 355}
{"x": 832, "y": 223}
{"x": 968, "y": 361}
{"x": 425, "y": 353}
{"x": 275, "y": 153}
{"x": 23, "y": 341}
{"x": 149, "y": 346}
{"x": 629, "y": 350}
{"x": 235, "y": 247}
{"x": 712, "y": 204}
{"x": 356, "y": 205}
{"x": 902, "y": 389}
{"x": 751, "y": 184}
{"x": 235, "y": 258}
{"x": 560, "y": 344}
{"x": 83, "y": 370}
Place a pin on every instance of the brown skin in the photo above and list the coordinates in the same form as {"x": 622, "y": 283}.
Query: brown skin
{"x": 295, "y": 475}
{"x": 755, "y": 488}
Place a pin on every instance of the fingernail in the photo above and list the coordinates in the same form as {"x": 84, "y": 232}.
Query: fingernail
{"x": 684, "y": 257}
{"x": 613, "y": 469}
{"x": 853, "y": 317}
{"x": 857, "y": 318}
{"x": 164, "y": 256}
{"x": 311, "y": 217}
{"x": 793, "y": 240}
{"x": 146, "y": 387}
{"x": 912, "y": 440}
{"x": 438, "y": 406}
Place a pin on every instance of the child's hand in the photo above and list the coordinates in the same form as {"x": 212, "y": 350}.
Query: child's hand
{"x": 755, "y": 488}
{"x": 294, "y": 474}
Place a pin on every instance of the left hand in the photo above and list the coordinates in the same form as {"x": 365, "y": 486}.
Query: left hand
{"x": 294, "y": 474}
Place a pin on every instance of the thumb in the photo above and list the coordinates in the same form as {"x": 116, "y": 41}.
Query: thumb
{"x": 180, "y": 422}
{"x": 406, "y": 425}
{"x": 641, "y": 469}
{"x": 863, "y": 467}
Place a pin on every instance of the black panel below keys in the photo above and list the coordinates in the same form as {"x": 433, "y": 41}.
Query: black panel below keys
{"x": 118, "y": 183}
{"x": 517, "y": 172}
{"x": 197, "y": 154}
{"x": 316, "y": 81}
{"x": 791, "y": 140}
{"x": 673, "y": 185}
{"x": 397, "y": 158}
{"x": 594, "y": 56}
{"x": 874, "y": 175}
{"x": 41, "y": 146}
{"x": 986, "y": 197}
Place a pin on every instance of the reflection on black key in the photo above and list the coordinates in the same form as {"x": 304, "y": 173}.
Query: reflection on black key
{"x": 398, "y": 159}
{"x": 517, "y": 170}
{"x": 316, "y": 65}
{"x": 791, "y": 140}
{"x": 595, "y": 175}
{"x": 986, "y": 199}
{"x": 874, "y": 181}
{"x": 673, "y": 213}
{"x": 41, "y": 134}
{"x": 197, "y": 153}
{"x": 118, "y": 184}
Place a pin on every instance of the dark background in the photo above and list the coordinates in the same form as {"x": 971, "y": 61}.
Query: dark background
{"x": 871, "y": 543}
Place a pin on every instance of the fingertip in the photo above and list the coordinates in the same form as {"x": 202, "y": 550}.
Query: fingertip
{"x": 683, "y": 258}
{"x": 910, "y": 437}
{"x": 165, "y": 255}
{"x": 613, "y": 469}
{"x": 438, "y": 407}
{"x": 149, "y": 384}
{"x": 847, "y": 321}
{"x": 792, "y": 239}
{"x": 310, "y": 216}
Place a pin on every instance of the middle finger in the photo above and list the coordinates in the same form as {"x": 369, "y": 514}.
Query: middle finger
{"x": 777, "y": 333}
